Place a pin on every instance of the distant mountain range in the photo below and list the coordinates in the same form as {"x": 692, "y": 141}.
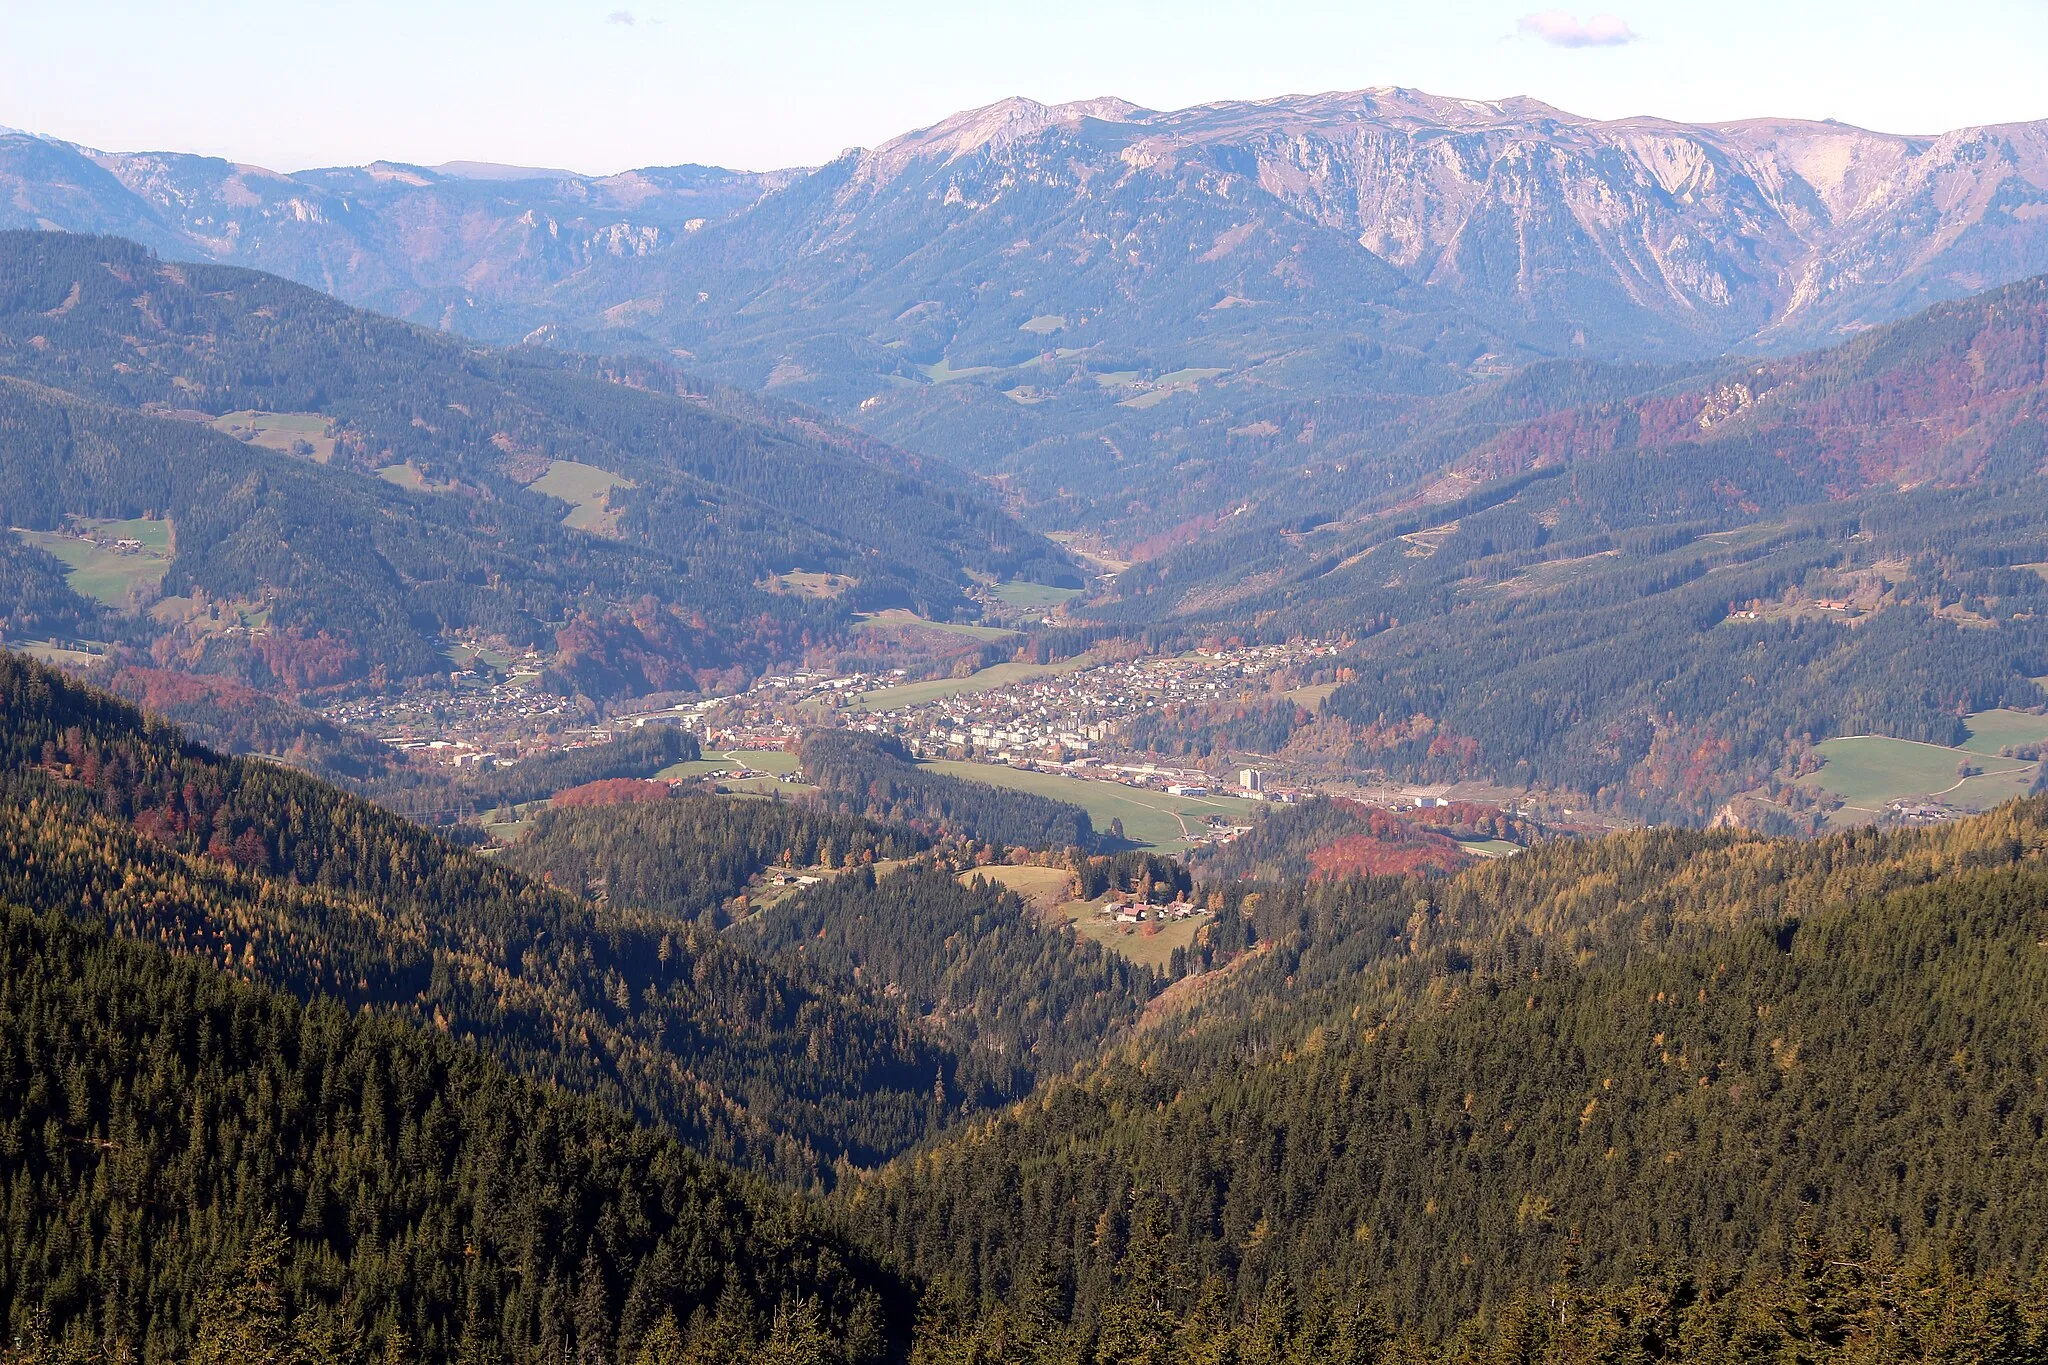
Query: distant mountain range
{"x": 1575, "y": 231}
{"x": 1081, "y": 297}
{"x": 415, "y": 242}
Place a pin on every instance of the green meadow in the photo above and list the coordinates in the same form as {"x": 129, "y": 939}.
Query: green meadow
{"x": 1030, "y": 595}
{"x": 1148, "y": 945}
{"x": 282, "y": 432}
{"x": 103, "y": 574}
{"x": 1868, "y": 772}
{"x": 1148, "y": 816}
{"x": 902, "y": 617}
{"x": 585, "y": 488}
{"x": 942, "y": 371}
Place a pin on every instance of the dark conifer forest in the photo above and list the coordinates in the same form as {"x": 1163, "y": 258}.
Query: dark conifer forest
{"x": 285, "y": 1077}
{"x": 199, "y": 1168}
{"x": 690, "y": 855}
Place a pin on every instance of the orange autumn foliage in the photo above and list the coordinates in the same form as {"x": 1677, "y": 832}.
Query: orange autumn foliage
{"x": 613, "y": 791}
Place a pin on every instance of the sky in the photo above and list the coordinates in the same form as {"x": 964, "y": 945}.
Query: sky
{"x": 757, "y": 84}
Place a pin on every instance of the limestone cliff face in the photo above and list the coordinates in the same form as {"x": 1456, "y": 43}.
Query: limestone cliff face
{"x": 1606, "y": 234}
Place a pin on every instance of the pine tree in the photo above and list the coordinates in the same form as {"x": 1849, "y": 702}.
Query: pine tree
{"x": 243, "y": 1320}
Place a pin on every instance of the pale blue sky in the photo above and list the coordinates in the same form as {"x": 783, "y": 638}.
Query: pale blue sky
{"x": 762, "y": 83}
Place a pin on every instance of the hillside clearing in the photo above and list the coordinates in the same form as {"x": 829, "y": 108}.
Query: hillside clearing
{"x": 942, "y": 371}
{"x": 1148, "y": 945}
{"x": 308, "y": 435}
{"x": 1030, "y": 595}
{"x": 100, "y": 567}
{"x": 1044, "y": 889}
{"x": 1152, "y": 819}
{"x": 904, "y": 618}
{"x": 1868, "y": 772}
{"x": 587, "y": 490}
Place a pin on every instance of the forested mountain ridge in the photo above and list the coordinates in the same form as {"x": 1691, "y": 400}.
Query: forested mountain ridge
{"x": 202, "y": 1169}
{"x": 1332, "y": 837}
{"x": 117, "y": 820}
{"x": 1657, "y": 587}
{"x": 231, "y": 718}
{"x": 342, "y": 571}
{"x": 1018, "y": 996}
{"x": 1955, "y": 393}
{"x": 1015, "y": 996}
{"x": 1949, "y": 395}
{"x": 1426, "y": 1099}
{"x": 1699, "y": 1096}
{"x": 694, "y": 499}
{"x": 691, "y": 856}
{"x": 1546, "y": 635}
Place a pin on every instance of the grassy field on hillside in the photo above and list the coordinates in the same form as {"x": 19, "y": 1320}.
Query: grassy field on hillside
{"x": 1312, "y": 697}
{"x": 105, "y": 574}
{"x": 1150, "y": 398}
{"x": 282, "y": 431}
{"x": 1030, "y": 595}
{"x": 1148, "y": 949}
{"x": 1148, "y": 816}
{"x": 1991, "y": 731}
{"x": 583, "y": 486}
{"x": 902, "y": 617}
{"x": 774, "y": 762}
{"x": 57, "y": 655}
{"x": 406, "y": 476}
{"x": 813, "y": 584}
{"x": 942, "y": 371}
{"x": 1044, "y": 889}
{"x": 1995, "y": 786}
{"x": 1870, "y": 771}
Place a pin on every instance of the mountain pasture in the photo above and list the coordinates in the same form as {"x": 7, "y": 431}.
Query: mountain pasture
{"x": 308, "y": 435}
{"x": 101, "y": 566}
{"x": 1151, "y": 819}
{"x": 1870, "y": 771}
{"x": 586, "y": 489}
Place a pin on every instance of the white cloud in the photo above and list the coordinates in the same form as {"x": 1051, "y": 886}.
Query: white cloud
{"x": 1562, "y": 29}
{"x": 625, "y": 16}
